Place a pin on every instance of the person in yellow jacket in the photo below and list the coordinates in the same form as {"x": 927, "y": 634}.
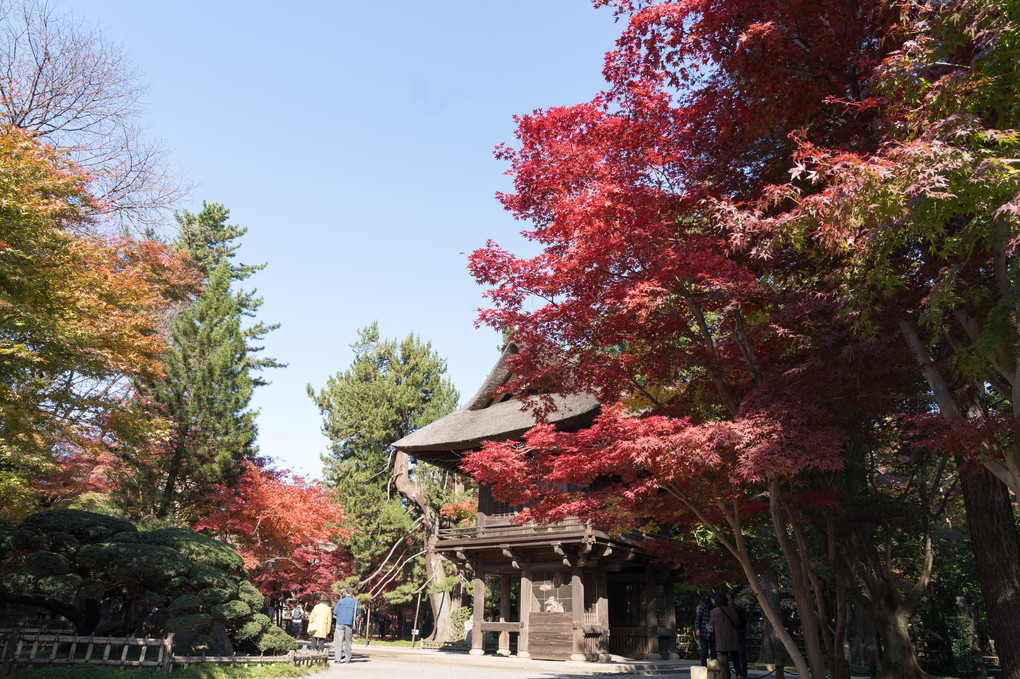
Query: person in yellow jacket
{"x": 320, "y": 623}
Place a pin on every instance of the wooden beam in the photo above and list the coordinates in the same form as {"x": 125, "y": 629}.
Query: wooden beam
{"x": 478, "y": 612}
{"x": 504, "y": 613}
{"x": 651, "y": 617}
{"x": 467, "y": 560}
{"x": 517, "y": 559}
{"x": 584, "y": 550}
{"x": 524, "y": 604}
{"x": 577, "y": 614}
{"x": 567, "y": 561}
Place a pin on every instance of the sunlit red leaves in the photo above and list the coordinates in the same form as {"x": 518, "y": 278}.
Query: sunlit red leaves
{"x": 284, "y": 526}
{"x": 748, "y": 72}
{"x": 631, "y": 466}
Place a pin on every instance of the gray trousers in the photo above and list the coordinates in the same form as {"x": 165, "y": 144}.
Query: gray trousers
{"x": 342, "y": 643}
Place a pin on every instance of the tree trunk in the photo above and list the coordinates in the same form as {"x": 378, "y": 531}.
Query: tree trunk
{"x": 840, "y": 667}
{"x": 864, "y": 648}
{"x": 167, "y": 496}
{"x": 772, "y": 650}
{"x": 800, "y": 583}
{"x": 434, "y": 573}
{"x": 995, "y": 543}
{"x": 879, "y": 591}
{"x": 901, "y": 660}
{"x": 441, "y": 601}
{"x": 996, "y": 546}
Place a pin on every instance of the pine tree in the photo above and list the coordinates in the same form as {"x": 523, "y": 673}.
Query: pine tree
{"x": 205, "y": 393}
{"x": 390, "y": 389}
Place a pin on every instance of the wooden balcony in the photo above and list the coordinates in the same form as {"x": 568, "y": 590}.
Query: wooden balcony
{"x": 495, "y": 528}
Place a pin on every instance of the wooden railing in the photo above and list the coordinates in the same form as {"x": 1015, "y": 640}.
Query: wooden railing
{"x": 508, "y": 530}
{"x": 28, "y": 647}
{"x": 41, "y": 647}
{"x": 631, "y": 642}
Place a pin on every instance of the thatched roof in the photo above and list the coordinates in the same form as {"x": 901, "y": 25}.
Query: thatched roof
{"x": 491, "y": 417}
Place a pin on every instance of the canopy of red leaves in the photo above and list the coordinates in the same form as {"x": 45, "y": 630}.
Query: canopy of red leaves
{"x": 285, "y": 527}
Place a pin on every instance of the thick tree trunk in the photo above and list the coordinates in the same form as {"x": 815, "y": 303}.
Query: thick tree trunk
{"x": 864, "y": 648}
{"x": 772, "y": 650}
{"x": 434, "y": 572}
{"x": 879, "y": 591}
{"x": 996, "y": 545}
{"x": 441, "y": 602}
{"x": 901, "y": 660}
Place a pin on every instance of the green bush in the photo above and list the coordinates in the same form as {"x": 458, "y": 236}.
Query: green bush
{"x": 215, "y": 595}
{"x": 185, "y": 603}
{"x": 189, "y": 623}
{"x": 48, "y": 563}
{"x": 95, "y": 561}
{"x": 457, "y": 620}
{"x": 231, "y": 610}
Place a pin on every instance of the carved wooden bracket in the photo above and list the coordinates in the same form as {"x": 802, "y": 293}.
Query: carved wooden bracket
{"x": 517, "y": 559}
{"x": 584, "y": 551}
{"x": 467, "y": 561}
{"x": 567, "y": 561}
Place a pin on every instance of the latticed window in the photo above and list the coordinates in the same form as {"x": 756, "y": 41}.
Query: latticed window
{"x": 551, "y": 593}
{"x": 493, "y": 507}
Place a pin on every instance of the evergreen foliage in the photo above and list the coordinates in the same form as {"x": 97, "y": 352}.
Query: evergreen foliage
{"x": 390, "y": 389}
{"x": 207, "y": 385}
{"x": 76, "y": 564}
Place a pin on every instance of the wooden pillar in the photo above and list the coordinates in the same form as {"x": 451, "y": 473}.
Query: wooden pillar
{"x": 525, "y": 604}
{"x": 651, "y": 617}
{"x": 577, "y": 606}
{"x": 478, "y": 613}
{"x": 670, "y": 621}
{"x": 602, "y": 582}
{"x": 504, "y": 613}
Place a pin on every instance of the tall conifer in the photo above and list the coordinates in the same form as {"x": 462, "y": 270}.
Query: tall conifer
{"x": 205, "y": 394}
{"x": 390, "y": 389}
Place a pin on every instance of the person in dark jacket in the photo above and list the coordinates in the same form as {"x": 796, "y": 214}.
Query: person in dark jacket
{"x": 741, "y": 660}
{"x": 346, "y": 612}
{"x": 724, "y": 621}
{"x": 703, "y": 631}
{"x": 296, "y": 614}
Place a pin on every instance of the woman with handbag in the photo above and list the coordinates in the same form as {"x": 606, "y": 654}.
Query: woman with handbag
{"x": 320, "y": 623}
{"x": 724, "y": 620}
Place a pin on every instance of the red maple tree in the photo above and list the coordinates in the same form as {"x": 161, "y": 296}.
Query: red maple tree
{"x": 735, "y": 379}
{"x": 286, "y": 528}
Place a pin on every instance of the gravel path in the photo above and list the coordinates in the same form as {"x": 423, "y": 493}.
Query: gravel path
{"x": 406, "y": 664}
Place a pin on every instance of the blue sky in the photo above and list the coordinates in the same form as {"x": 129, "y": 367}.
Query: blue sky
{"x": 354, "y": 140}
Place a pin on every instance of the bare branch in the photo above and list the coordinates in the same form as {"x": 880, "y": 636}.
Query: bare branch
{"x": 62, "y": 80}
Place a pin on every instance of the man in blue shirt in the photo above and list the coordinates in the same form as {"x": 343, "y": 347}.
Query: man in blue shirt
{"x": 345, "y": 611}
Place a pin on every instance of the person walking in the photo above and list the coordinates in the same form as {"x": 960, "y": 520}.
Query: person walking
{"x": 703, "y": 630}
{"x": 346, "y": 612}
{"x": 724, "y": 624}
{"x": 319, "y": 623}
{"x": 741, "y": 662}
{"x": 296, "y": 615}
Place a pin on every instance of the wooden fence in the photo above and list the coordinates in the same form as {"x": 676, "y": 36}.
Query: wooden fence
{"x": 27, "y": 647}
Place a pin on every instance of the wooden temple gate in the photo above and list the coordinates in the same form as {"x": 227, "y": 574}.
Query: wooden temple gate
{"x": 581, "y": 593}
